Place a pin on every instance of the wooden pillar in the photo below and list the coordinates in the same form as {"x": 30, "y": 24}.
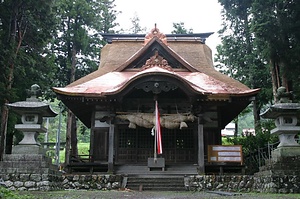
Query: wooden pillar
{"x": 111, "y": 136}
{"x": 91, "y": 151}
{"x": 201, "y": 163}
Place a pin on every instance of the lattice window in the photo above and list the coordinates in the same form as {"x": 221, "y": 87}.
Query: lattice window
{"x": 142, "y": 138}
{"x": 127, "y": 139}
{"x": 168, "y": 138}
{"x": 145, "y": 139}
{"x": 184, "y": 139}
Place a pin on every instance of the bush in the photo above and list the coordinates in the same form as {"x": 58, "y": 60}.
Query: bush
{"x": 252, "y": 142}
{"x": 255, "y": 145}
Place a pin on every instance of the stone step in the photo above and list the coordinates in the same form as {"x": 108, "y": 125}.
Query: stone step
{"x": 26, "y": 170}
{"x": 156, "y": 183}
{"x": 27, "y": 164}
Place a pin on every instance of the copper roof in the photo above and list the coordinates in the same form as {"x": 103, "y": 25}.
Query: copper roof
{"x": 114, "y": 82}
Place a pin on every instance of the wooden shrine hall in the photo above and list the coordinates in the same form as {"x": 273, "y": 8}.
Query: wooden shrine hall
{"x": 117, "y": 102}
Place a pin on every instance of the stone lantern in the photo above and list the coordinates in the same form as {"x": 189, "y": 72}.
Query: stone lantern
{"x": 285, "y": 113}
{"x": 32, "y": 112}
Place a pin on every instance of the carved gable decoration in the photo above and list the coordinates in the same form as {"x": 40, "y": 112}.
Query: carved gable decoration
{"x": 155, "y": 33}
{"x": 157, "y": 60}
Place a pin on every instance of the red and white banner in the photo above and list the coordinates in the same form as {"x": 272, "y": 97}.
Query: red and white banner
{"x": 158, "y": 129}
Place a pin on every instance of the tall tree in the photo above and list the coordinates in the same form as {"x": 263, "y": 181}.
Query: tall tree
{"x": 136, "y": 27}
{"x": 180, "y": 29}
{"x": 25, "y": 30}
{"x": 276, "y": 26}
{"x": 77, "y": 45}
{"x": 239, "y": 55}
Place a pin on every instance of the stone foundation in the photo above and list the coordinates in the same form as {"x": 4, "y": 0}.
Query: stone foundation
{"x": 245, "y": 183}
{"x": 32, "y": 182}
{"x": 45, "y": 182}
{"x": 36, "y": 172}
{"x": 233, "y": 183}
{"x": 281, "y": 174}
{"x": 29, "y": 172}
{"x": 92, "y": 182}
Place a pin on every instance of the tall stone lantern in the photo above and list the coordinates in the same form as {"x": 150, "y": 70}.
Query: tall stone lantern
{"x": 286, "y": 114}
{"x": 32, "y": 112}
{"x": 281, "y": 172}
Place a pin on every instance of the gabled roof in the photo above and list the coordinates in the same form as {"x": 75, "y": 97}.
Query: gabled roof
{"x": 154, "y": 47}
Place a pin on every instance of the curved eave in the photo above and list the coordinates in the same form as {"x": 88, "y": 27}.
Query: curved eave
{"x": 250, "y": 92}
{"x": 115, "y": 82}
{"x": 124, "y": 78}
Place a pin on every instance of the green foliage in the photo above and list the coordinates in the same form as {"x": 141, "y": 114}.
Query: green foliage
{"x": 8, "y": 194}
{"x": 38, "y": 39}
{"x": 26, "y": 29}
{"x": 276, "y": 27}
{"x": 83, "y": 135}
{"x": 245, "y": 120}
{"x": 238, "y": 55}
{"x": 83, "y": 148}
{"x": 260, "y": 38}
{"x": 77, "y": 42}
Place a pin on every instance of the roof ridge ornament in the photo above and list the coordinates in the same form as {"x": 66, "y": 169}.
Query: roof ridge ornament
{"x": 157, "y": 60}
{"x": 155, "y": 33}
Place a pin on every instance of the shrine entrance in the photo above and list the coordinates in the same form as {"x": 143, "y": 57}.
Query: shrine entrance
{"x": 135, "y": 146}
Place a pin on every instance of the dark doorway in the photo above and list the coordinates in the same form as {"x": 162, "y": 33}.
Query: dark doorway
{"x": 100, "y": 143}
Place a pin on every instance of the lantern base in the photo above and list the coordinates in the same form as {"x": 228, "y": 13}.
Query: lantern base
{"x": 284, "y": 152}
{"x": 28, "y": 149}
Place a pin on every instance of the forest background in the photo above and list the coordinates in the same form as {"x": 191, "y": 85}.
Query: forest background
{"x": 53, "y": 43}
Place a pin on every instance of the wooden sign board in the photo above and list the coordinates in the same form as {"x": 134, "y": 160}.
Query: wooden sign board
{"x": 225, "y": 153}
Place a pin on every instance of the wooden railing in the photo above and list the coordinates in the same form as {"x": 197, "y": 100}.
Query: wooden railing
{"x": 83, "y": 163}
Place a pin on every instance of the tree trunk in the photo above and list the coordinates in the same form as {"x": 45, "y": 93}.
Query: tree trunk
{"x": 236, "y": 127}
{"x": 256, "y": 116}
{"x": 73, "y": 119}
{"x": 74, "y": 151}
{"x": 4, "y": 118}
{"x": 71, "y": 134}
{"x": 15, "y": 34}
{"x": 68, "y": 138}
{"x": 9, "y": 143}
{"x": 274, "y": 78}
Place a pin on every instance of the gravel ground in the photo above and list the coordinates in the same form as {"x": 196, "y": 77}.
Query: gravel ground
{"x": 74, "y": 194}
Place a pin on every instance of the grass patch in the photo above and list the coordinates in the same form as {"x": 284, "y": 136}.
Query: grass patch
{"x": 83, "y": 149}
{"x": 8, "y": 194}
{"x": 225, "y": 141}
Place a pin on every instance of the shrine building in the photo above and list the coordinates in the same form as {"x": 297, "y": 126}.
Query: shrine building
{"x": 117, "y": 102}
